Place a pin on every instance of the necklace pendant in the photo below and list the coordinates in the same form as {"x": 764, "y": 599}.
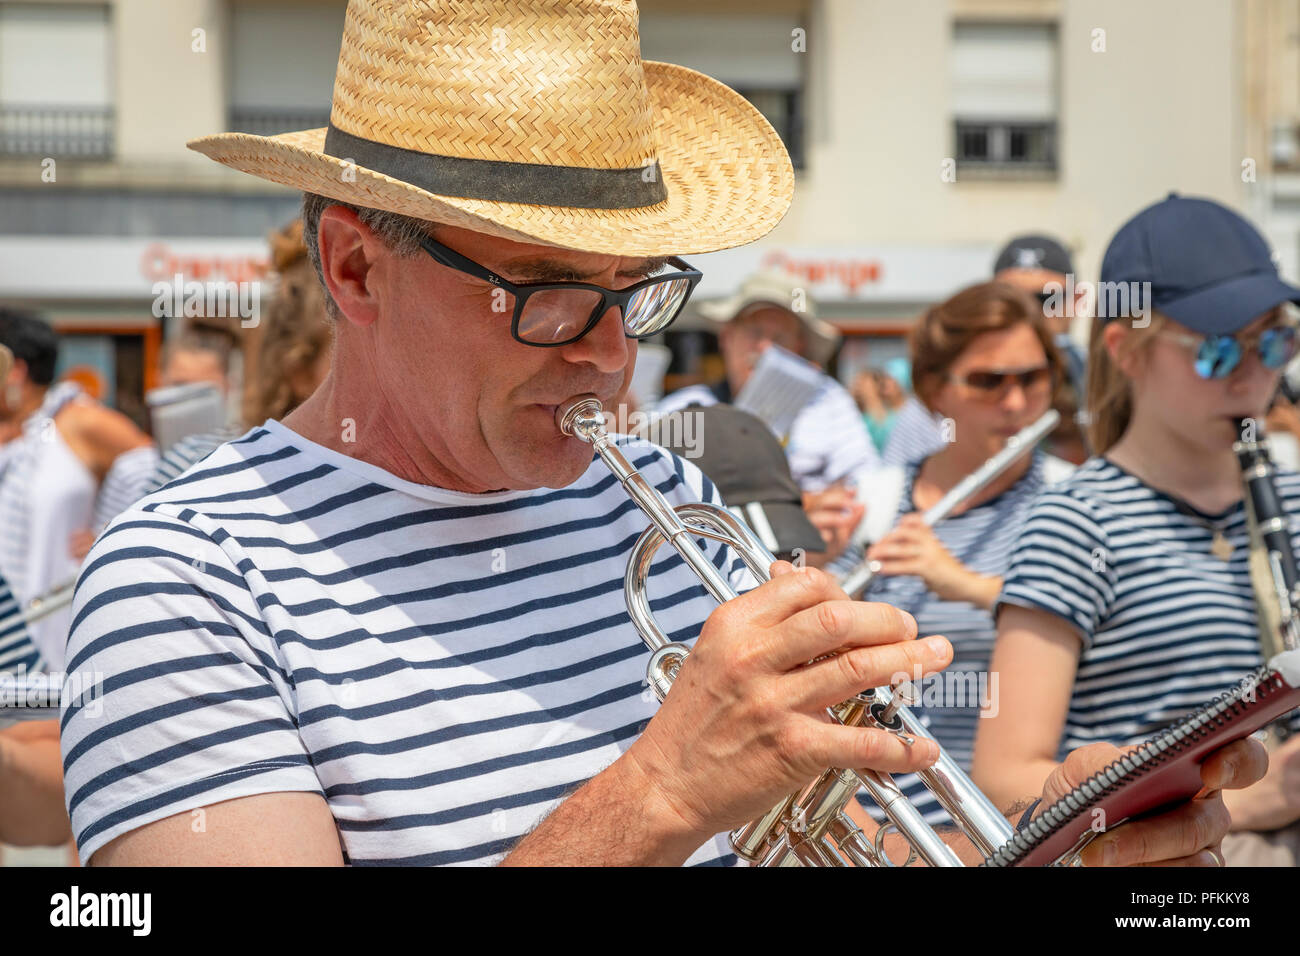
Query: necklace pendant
{"x": 1221, "y": 547}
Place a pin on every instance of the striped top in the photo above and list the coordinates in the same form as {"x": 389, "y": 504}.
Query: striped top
{"x": 129, "y": 479}
{"x": 190, "y": 450}
{"x": 1166, "y": 626}
{"x": 950, "y": 702}
{"x": 443, "y": 668}
{"x": 47, "y": 495}
{"x": 828, "y": 441}
{"x": 18, "y": 655}
{"x": 915, "y": 435}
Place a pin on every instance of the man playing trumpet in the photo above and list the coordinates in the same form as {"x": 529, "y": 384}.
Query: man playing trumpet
{"x": 391, "y": 628}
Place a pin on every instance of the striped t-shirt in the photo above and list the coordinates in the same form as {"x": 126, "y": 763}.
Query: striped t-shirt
{"x": 915, "y": 435}
{"x": 18, "y": 655}
{"x": 950, "y": 702}
{"x": 443, "y": 668}
{"x": 1166, "y": 626}
{"x": 190, "y": 450}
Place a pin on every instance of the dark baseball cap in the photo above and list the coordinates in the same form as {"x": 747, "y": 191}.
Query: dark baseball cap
{"x": 1196, "y": 261}
{"x": 1034, "y": 252}
{"x": 745, "y": 460}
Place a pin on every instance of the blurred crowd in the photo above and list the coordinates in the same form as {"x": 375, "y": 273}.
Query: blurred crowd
{"x": 830, "y": 475}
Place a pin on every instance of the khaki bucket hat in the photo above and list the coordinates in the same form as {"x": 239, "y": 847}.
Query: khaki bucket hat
{"x": 783, "y": 291}
{"x": 531, "y": 120}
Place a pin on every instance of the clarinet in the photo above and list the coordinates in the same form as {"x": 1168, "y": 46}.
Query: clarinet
{"x": 1274, "y": 577}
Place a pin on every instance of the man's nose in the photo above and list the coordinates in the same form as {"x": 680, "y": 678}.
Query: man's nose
{"x": 605, "y": 346}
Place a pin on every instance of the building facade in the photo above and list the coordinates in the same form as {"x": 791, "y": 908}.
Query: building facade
{"x": 924, "y": 134}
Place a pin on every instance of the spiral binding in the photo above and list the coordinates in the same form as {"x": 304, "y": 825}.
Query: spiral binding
{"x": 1124, "y": 771}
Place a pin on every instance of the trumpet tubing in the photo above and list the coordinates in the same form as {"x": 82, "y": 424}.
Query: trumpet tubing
{"x": 809, "y": 827}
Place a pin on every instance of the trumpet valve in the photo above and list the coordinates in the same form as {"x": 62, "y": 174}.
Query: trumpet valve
{"x": 662, "y": 669}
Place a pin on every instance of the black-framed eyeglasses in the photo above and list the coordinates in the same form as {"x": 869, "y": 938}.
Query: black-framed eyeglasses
{"x": 551, "y": 314}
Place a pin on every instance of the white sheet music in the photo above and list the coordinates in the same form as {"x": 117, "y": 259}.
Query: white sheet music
{"x": 648, "y": 377}
{"x": 778, "y": 389}
{"x": 179, "y": 411}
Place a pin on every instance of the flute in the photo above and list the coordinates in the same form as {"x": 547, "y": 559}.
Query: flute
{"x": 855, "y": 582}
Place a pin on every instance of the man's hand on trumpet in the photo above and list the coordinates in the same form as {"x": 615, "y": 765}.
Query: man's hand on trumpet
{"x": 745, "y": 725}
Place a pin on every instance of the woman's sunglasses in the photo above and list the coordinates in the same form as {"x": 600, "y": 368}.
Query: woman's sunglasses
{"x": 1216, "y": 356}
{"x": 994, "y": 386}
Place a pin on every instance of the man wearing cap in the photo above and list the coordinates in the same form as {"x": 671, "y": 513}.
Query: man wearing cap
{"x": 828, "y": 441}
{"x": 392, "y": 629}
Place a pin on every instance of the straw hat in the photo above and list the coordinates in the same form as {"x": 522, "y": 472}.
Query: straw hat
{"x": 537, "y": 122}
{"x": 784, "y": 292}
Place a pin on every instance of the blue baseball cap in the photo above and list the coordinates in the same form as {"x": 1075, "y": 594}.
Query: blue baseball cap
{"x": 1207, "y": 268}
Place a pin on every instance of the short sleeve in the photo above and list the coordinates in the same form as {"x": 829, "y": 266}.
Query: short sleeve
{"x": 1061, "y": 565}
{"x": 174, "y": 696}
{"x": 829, "y": 440}
{"x": 128, "y": 480}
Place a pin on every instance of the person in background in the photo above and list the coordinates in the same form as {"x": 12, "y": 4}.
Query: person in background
{"x": 292, "y": 355}
{"x": 879, "y": 396}
{"x": 201, "y": 353}
{"x": 984, "y": 359}
{"x": 73, "y": 466}
{"x": 1129, "y": 599}
{"x": 1041, "y": 265}
{"x": 828, "y": 442}
{"x": 297, "y": 338}
{"x": 746, "y": 463}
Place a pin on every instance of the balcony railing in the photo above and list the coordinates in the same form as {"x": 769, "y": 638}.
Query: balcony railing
{"x": 57, "y": 131}
{"x": 1006, "y": 147}
{"x": 270, "y": 122}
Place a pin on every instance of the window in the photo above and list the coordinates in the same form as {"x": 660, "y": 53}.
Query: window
{"x": 56, "y": 89}
{"x": 283, "y": 57}
{"x": 750, "y": 52}
{"x": 1004, "y": 93}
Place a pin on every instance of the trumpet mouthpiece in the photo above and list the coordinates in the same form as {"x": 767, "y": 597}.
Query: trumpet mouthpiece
{"x": 581, "y": 418}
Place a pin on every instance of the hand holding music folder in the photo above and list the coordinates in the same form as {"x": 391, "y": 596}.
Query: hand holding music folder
{"x": 1163, "y": 771}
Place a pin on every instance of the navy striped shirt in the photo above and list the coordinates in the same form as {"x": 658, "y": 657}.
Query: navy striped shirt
{"x": 190, "y": 450}
{"x": 18, "y": 655}
{"x": 915, "y": 435}
{"x": 443, "y": 668}
{"x": 1166, "y": 626}
{"x": 950, "y": 702}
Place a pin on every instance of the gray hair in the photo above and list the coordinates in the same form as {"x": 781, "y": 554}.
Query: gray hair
{"x": 402, "y": 234}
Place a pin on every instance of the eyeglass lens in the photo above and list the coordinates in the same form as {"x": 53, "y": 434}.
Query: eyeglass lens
{"x": 554, "y": 316}
{"x": 1218, "y": 355}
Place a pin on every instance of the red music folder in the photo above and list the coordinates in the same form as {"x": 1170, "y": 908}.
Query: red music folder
{"x": 1163, "y": 771}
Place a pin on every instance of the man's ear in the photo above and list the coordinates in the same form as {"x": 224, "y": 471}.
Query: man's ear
{"x": 349, "y": 251}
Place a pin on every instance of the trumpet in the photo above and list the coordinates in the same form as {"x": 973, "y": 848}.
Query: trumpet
{"x": 856, "y": 581}
{"x": 810, "y": 827}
